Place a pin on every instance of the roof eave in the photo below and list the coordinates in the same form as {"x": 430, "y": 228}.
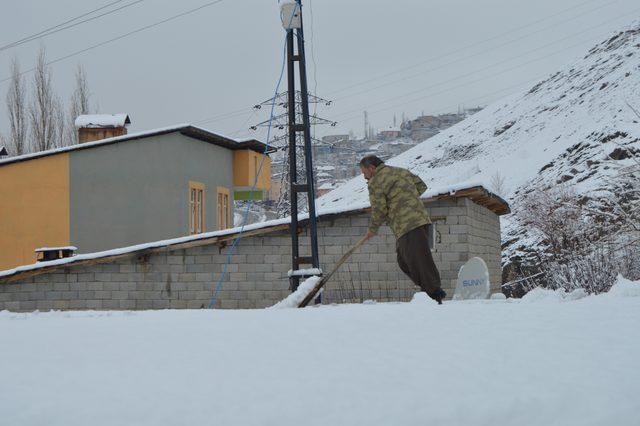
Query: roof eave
{"x": 184, "y": 129}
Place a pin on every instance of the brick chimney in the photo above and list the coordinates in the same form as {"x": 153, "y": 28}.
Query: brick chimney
{"x": 95, "y": 127}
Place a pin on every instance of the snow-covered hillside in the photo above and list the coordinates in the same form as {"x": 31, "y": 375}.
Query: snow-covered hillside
{"x": 547, "y": 359}
{"x": 574, "y": 128}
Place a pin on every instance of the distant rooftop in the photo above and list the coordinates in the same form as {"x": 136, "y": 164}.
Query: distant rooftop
{"x": 102, "y": 120}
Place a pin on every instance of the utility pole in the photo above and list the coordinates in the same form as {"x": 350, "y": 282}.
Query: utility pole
{"x": 366, "y": 125}
{"x": 280, "y": 162}
{"x": 291, "y": 15}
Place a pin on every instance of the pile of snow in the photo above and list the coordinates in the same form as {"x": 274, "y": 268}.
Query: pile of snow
{"x": 625, "y": 288}
{"x": 540, "y": 294}
{"x": 462, "y": 363}
{"x": 421, "y": 298}
{"x": 294, "y": 299}
{"x": 304, "y": 272}
{"x": 573, "y": 128}
{"x": 622, "y": 288}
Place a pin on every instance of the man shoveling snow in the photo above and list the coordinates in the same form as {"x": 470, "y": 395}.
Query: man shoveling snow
{"x": 394, "y": 194}
{"x": 395, "y": 199}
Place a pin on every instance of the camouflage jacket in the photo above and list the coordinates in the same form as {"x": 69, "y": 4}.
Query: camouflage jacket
{"x": 395, "y": 198}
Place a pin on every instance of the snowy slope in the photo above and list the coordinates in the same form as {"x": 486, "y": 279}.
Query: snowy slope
{"x": 463, "y": 363}
{"x": 573, "y": 128}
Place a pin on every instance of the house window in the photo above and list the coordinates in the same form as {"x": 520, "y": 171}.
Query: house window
{"x": 196, "y": 208}
{"x": 224, "y": 208}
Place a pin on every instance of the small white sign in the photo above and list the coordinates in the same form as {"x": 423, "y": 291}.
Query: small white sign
{"x": 473, "y": 280}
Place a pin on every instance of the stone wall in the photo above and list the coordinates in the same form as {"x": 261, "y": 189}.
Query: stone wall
{"x": 257, "y": 274}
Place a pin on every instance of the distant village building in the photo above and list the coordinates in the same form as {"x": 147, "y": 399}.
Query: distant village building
{"x": 117, "y": 189}
{"x": 474, "y": 110}
{"x": 422, "y": 127}
{"x": 95, "y": 127}
{"x": 390, "y": 133}
{"x": 331, "y": 139}
{"x": 426, "y": 126}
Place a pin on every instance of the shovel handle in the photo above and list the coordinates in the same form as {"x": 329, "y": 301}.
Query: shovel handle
{"x": 326, "y": 278}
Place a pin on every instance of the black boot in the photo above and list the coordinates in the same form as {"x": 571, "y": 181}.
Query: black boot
{"x": 439, "y": 296}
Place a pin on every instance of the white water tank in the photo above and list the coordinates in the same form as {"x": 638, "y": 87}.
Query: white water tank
{"x": 290, "y": 15}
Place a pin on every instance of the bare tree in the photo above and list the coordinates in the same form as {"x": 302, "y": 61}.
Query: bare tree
{"x": 80, "y": 100}
{"x": 17, "y": 111}
{"x": 44, "y": 109}
{"x": 590, "y": 239}
{"x": 559, "y": 216}
{"x": 498, "y": 184}
{"x": 60, "y": 122}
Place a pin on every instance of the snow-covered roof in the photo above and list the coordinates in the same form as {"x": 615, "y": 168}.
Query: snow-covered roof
{"x": 327, "y": 185}
{"x": 102, "y": 120}
{"x": 185, "y": 129}
{"x": 390, "y": 129}
{"x": 451, "y": 191}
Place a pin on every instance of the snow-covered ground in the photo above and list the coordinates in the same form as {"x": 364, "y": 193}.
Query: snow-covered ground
{"x": 544, "y": 360}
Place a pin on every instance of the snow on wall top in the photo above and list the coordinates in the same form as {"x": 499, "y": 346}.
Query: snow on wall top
{"x": 102, "y": 120}
{"x": 563, "y": 129}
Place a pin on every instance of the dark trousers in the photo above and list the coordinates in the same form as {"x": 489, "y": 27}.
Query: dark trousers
{"x": 415, "y": 260}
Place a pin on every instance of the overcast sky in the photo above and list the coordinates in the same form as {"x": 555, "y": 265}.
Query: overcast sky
{"x": 389, "y": 58}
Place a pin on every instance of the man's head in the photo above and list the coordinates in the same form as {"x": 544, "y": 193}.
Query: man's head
{"x": 369, "y": 165}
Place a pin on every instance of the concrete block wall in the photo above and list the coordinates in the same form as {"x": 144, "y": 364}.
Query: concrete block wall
{"x": 257, "y": 274}
{"x": 485, "y": 242}
{"x": 373, "y": 272}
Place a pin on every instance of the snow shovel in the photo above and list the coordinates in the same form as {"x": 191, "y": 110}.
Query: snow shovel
{"x": 327, "y": 277}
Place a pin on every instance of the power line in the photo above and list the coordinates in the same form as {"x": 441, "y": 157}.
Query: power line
{"x": 415, "y": 65}
{"x": 460, "y": 85}
{"x": 59, "y": 28}
{"x": 475, "y": 100}
{"x": 358, "y": 110}
{"x": 63, "y": 23}
{"x": 479, "y": 53}
{"x": 130, "y": 33}
{"x": 466, "y": 84}
{"x": 225, "y": 116}
{"x": 313, "y": 60}
{"x": 245, "y": 111}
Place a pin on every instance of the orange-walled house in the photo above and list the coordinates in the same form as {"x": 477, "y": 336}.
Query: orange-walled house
{"x": 116, "y": 189}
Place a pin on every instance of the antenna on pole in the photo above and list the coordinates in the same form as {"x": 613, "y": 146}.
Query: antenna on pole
{"x": 291, "y": 15}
